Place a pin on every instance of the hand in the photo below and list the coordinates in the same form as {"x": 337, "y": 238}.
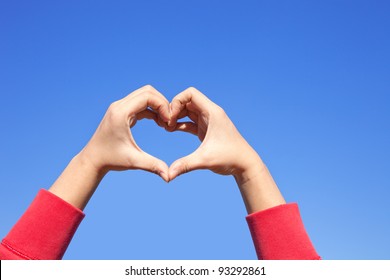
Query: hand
{"x": 223, "y": 150}
{"x": 112, "y": 147}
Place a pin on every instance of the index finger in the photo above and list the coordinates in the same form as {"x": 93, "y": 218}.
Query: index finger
{"x": 200, "y": 103}
{"x": 144, "y": 98}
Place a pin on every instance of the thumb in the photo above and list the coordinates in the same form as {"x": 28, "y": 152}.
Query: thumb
{"x": 152, "y": 164}
{"x": 185, "y": 164}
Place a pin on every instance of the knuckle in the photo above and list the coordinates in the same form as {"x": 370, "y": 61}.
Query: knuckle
{"x": 192, "y": 90}
{"x": 148, "y": 94}
{"x": 219, "y": 110}
{"x": 114, "y": 112}
{"x": 177, "y": 106}
{"x": 154, "y": 168}
{"x": 113, "y": 107}
{"x": 185, "y": 167}
{"x": 148, "y": 88}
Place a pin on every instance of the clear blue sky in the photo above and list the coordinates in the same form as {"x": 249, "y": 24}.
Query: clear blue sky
{"x": 307, "y": 83}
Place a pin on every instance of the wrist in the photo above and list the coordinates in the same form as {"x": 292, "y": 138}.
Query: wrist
{"x": 250, "y": 168}
{"x": 87, "y": 161}
{"x": 250, "y": 173}
{"x": 258, "y": 189}
{"x": 78, "y": 181}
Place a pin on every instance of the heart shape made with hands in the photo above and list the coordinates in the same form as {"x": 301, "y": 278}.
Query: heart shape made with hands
{"x": 180, "y": 165}
{"x": 222, "y": 150}
{"x": 200, "y": 111}
{"x": 163, "y": 142}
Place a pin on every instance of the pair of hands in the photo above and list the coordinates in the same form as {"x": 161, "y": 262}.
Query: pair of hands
{"x": 223, "y": 150}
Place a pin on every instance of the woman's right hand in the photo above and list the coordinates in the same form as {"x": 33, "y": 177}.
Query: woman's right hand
{"x": 223, "y": 150}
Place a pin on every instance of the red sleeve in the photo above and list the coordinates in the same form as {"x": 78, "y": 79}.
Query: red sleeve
{"x": 44, "y": 231}
{"x": 278, "y": 234}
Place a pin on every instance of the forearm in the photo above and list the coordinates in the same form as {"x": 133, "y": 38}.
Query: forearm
{"x": 258, "y": 189}
{"x": 276, "y": 227}
{"x": 78, "y": 181}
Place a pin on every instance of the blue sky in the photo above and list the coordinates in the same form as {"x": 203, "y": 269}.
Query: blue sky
{"x": 306, "y": 83}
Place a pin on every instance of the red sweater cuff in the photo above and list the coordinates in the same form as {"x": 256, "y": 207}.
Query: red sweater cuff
{"x": 44, "y": 231}
{"x": 278, "y": 233}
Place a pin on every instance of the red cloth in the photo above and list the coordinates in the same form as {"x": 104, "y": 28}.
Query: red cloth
{"x": 44, "y": 231}
{"x": 278, "y": 234}
{"x": 47, "y": 227}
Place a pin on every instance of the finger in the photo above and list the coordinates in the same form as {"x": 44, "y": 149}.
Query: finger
{"x": 148, "y": 89}
{"x": 183, "y": 113}
{"x": 151, "y": 115}
{"x": 182, "y": 126}
{"x": 160, "y": 122}
{"x": 149, "y": 163}
{"x": 186, "y": 164}
{"x": 189, "y": 127}
{"x": 141, "y": 90}
{"x": 150, "y": 98}
{"x": 193, "y": 116}
{"x": 191, "y": 95}
{"x": 146, "y": 114}
{"x": 187, "y": 113}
